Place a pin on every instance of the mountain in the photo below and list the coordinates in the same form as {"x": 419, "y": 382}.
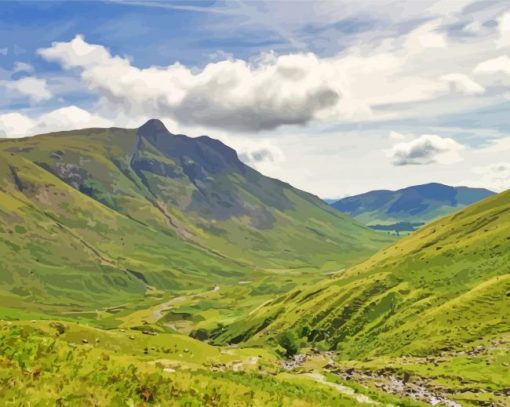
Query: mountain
{"x": 409, "y": 208}
{"x": 102, "y": 216}
{"x": 439, "y": 289}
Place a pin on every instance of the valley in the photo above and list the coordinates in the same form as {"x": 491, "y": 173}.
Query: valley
{"x": 141, "y": 267}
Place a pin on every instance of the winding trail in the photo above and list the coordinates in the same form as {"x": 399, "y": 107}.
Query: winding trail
{"x": 360, "y": 398}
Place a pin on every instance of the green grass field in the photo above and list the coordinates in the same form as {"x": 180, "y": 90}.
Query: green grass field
{"x": 131, "y": 276}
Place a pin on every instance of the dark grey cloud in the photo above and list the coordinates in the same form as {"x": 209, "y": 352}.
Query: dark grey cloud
{"x": 426, "y": 149}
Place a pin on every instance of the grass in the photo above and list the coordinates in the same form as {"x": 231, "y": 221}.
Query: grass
{"x": 444, "y": 287}
{"x": 116, "y": 254}
{"x": 40, "y": 367}
{"x": 99, "y": 218}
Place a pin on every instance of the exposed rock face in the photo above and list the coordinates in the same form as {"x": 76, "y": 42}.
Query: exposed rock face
{"x": 207, "y": 165}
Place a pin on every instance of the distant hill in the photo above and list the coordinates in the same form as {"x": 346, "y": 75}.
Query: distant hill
{"x": 408, "y": 208}
{"x": 441, "y": 288}
{"x": 100, "y": 215}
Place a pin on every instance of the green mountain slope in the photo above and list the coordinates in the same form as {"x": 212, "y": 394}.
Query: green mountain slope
{"x": 442, "y": 287}
{"x": 101, "y": 216}
{"x": 408, "y": 208}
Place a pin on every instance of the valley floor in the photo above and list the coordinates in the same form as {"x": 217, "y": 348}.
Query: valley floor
{"x": 145, "y": 357}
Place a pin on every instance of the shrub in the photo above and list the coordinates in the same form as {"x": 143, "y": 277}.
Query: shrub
{"x": 288, "y": 341}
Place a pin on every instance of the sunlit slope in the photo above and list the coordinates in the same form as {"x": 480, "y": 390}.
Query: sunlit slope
{"x": 75, "y": 365}
{"x": 106, "y": 214}
{"x": 446, "y": 285}
{"x": 61, "y": 246}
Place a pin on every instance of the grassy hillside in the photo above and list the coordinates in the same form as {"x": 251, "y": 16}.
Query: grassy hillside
{"x": 99, "y": 217}
{"x": 443, "y": 288}
{"x": 409, "y": 208}
{"x": 71, "y": 365}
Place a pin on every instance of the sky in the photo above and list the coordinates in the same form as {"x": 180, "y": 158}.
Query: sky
{"x": 336, "y": 97}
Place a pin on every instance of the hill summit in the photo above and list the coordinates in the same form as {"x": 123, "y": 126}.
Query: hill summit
{"x": 95, "y": 215}
{"x": 408, "y": 208}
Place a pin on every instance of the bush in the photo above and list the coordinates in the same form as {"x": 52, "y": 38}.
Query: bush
{"x": 288, "y": 341}
{"x": 201, "y": 334}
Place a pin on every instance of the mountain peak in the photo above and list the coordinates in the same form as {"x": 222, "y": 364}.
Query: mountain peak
{"x": 153, "y": 126}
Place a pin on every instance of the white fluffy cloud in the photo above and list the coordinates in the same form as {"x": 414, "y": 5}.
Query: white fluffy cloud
{"x": 496, "y": 65}
{"x": 495, "y": 176}
{"x": 426, "y": 149}
{"x": 67, "y": 118}
{"x": 15, "y": 125}
{"x": 265, "y": 93}
{"x": 36, "y": 89}
{"x": 232, "y": 94}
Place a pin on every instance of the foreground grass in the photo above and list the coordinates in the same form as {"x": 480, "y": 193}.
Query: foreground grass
{"x": 63, "y": 363}
{"x": 41, "y": 368}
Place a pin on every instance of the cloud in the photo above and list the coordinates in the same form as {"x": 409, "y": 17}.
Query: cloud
{"x": 504, "y": 31}
{"x": 36, "y": 89}
{"x": 500, "y": 64}
{"x": 396, "y": 136}
{"x": 22, "y": 67}
{"x": 426, "y": 149}
{"x": 495, "y": 176}
{"x": 460, "y": 83}
{"x": 68, "y": 118}
{"x": 14, "y": 125}
{"x": 231, "y": 94}
{"x": 257, "y": 156}
{"x": 475, "y": 27}
{"x": 263, "y": 154}
{"x": 426, "y": 36}
{"x": 264, "y": 93}
{"x": 500, "y": 145}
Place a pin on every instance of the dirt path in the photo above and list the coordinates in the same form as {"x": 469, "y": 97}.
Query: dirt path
{"x": 158, "y": 311}
{"x": 154, "y": 313}
{"x": 360, "y": 398}
{"x": 415, "y": 387}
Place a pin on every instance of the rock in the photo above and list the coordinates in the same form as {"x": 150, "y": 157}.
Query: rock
{"x": 406, "y": 378}
{"x": 59, "y": 327}
{"x": 84, "y": 341}
{"x": 131, "y": 337}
